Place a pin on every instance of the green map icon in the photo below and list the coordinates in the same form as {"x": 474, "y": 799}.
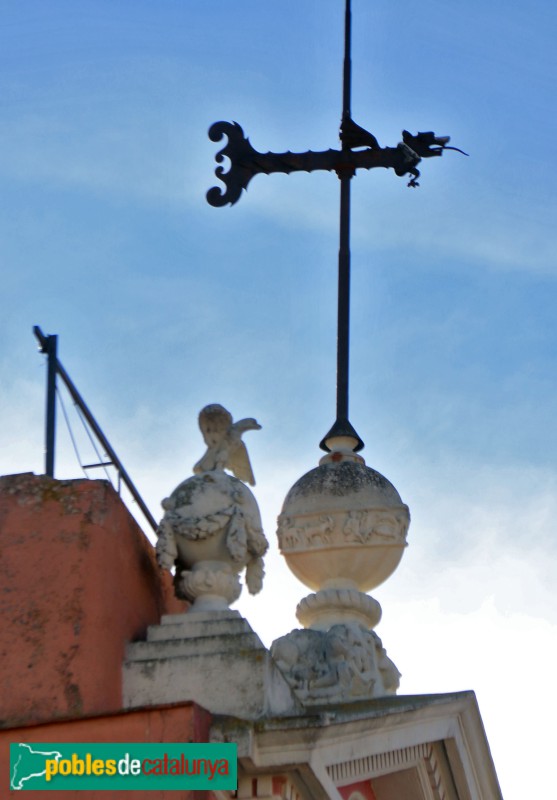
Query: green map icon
{"x": 28, "y": 763}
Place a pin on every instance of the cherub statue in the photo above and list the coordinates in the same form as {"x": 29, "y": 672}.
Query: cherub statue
{"x": 225, "y": 448}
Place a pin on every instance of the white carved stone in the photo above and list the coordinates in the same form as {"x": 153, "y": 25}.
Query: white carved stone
{"x": 211, "y": 529}
{"x": 343, "y": 525}
{"x": 332, "y": 606}
{"x": 213, "y": 658}
{"x": 347, "y": 662}
{"x": 342, "y": 532}
{"x": 225, "y": 449}
{"x": 429, "y": 747}
{"x": 212, "y": 585}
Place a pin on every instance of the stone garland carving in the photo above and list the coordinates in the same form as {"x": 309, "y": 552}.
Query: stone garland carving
{"x": 245, "y": 541}
{"x": 346, "y": 663}
{"x": 372, "y": 526}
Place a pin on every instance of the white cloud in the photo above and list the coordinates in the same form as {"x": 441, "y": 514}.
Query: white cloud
{"x": 507, "y": 659}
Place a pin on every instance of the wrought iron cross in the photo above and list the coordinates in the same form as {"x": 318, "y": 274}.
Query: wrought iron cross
{"x": 245, "y": 162}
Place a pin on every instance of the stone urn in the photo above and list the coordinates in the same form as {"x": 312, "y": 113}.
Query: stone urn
{"x": 211, "y": 530}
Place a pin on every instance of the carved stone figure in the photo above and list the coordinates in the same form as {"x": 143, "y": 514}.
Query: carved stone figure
{"x": 345, "y": 663}
{"x": 352, "y": 527}
{"x": 211, "y": 529}
{"x": 225, "y": 449}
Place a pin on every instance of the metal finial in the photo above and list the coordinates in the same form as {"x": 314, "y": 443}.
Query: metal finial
{"x": 246, "y": 162}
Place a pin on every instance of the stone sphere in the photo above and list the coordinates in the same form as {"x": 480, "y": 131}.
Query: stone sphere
{"x": 343, "y": 525}
{"x": 199, "y": 513}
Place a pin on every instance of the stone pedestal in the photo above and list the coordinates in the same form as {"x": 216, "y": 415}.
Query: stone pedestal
{"x": 214, "y": 658}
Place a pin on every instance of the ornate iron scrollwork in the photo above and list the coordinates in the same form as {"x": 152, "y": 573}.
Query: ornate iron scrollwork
{"x": 245, "y": 161}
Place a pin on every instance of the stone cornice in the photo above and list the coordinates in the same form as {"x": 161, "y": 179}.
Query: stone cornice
{"x": 441, "y": 735}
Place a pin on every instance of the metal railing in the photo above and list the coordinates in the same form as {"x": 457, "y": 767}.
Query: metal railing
{"x": 49, "y": 346}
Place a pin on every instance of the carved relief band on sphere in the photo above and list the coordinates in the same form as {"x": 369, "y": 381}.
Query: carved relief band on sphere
{"x": 343, "y": 524}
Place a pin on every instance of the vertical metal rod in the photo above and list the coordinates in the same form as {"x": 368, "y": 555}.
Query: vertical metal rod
{"x": 50, "y": 439}
{"x": 343, "y": 335}
{"x": 342, "y": 426}
{"x": 343, "y": 330}
{"x": 347, "y": 73}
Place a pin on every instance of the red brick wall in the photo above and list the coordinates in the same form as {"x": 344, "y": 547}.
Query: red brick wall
{"x": 78, "y": 579}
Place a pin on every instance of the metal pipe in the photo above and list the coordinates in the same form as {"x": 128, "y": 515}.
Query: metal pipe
{"x": 347, "y": 68}
{"x": 342, "y": 426}
{"x": 343, "y": 324}
{"x": 343, "y": 319}
{"x": 50, "y": 349}
{"x": 77, "y": 398}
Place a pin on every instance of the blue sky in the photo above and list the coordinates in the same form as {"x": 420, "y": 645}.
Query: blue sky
{"x": 164, "y": 304}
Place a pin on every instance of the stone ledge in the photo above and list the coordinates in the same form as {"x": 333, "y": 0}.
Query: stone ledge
{"x": 206, "y": 645}
{"x": 197, "y": 625}
{"x": 230, "y": 672}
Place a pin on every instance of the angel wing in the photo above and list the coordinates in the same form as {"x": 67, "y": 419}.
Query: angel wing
{"x": 238, "y": 460}
{"x": 239, "y": 464}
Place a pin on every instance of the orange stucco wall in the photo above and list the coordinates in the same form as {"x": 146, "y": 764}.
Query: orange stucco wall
{"x": 186, "y": 722}
{"x": 78, "y": 579}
